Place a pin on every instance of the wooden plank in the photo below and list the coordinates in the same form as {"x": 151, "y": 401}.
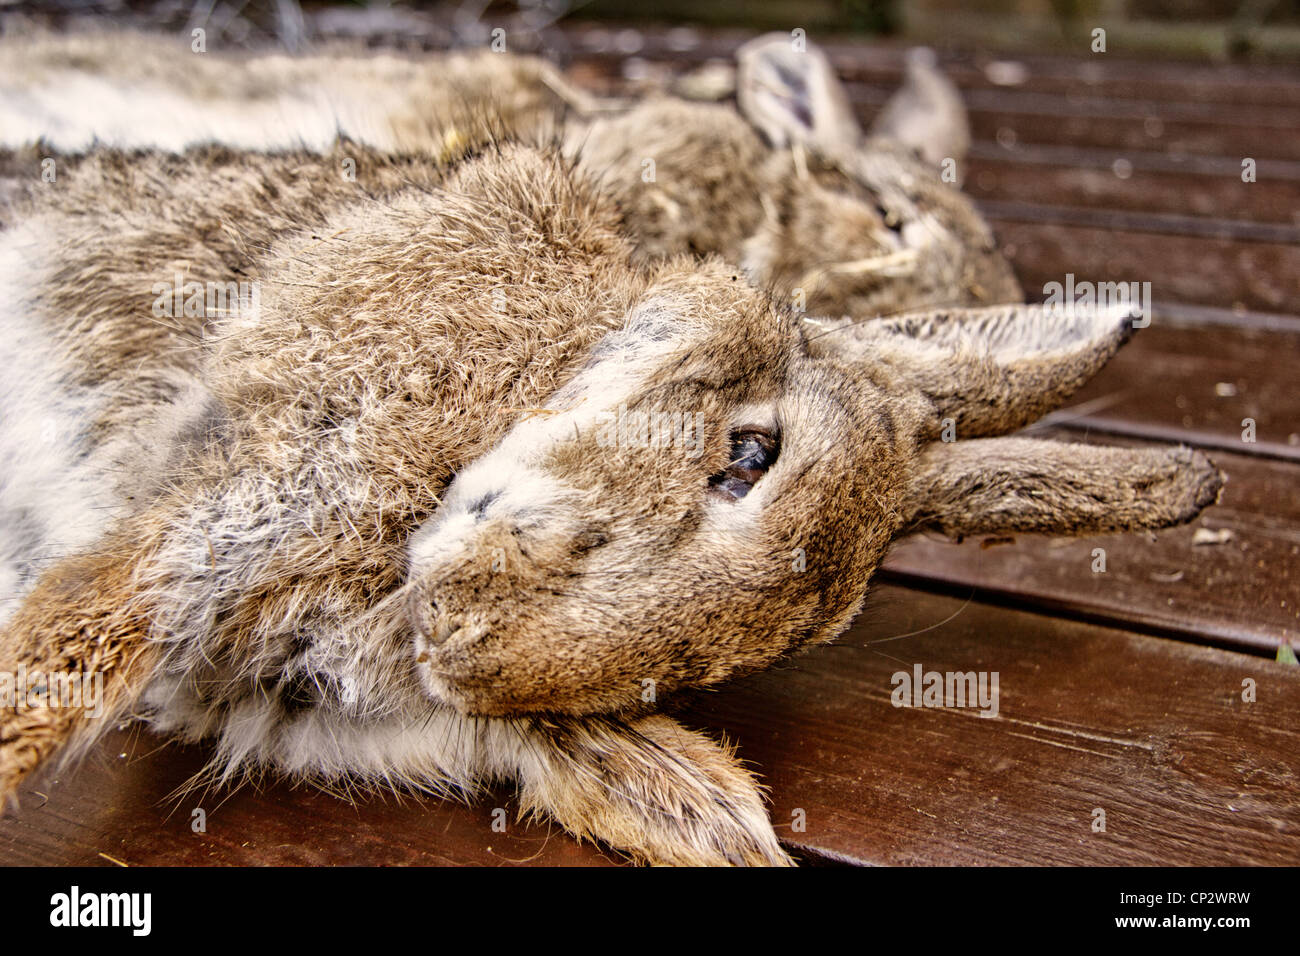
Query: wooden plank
{"x": 1152, "y": 731}
{"x": 998, "y": 175}
{"x": 1197, "y": 384}
{"x": 1207, "y": 379}
{"x": 1089, "y": 128}
{"x": 1184, "y": 35}
{"x": 1086, "y": 157}
{"x": 1242, "y": 593}
{"x": 1182, "y": 315}
{"x": 1124, "y": 220}
{"x": 1174, "y": 128}
{"x": 1231, "y": 273}
{"x": 1112, "y": 79}
{"x": 120, "y": 806}
{"x": 1160, "y": 121}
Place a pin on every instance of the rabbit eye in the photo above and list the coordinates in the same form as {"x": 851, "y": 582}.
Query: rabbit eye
{"x": 753, "y": 451}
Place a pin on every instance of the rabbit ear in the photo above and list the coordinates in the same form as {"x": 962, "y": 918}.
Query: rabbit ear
{"x": 982, "y": 371}
{"x": 926, "y": 114}
{"x": 1010, "y": 485}
{"x": 787, "y": 89}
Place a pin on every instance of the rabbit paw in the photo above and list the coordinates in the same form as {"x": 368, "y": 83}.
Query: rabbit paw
{"x": 648, "y": 787}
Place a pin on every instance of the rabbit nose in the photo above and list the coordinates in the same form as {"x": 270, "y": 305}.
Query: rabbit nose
{"x": 433, "y": 628}
{"x": 445, "y": 629}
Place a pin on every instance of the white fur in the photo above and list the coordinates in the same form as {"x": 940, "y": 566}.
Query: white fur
{"x": 421, "y": 743}
{"x": 73, "y": 111}
{"x": 53, "y": 498}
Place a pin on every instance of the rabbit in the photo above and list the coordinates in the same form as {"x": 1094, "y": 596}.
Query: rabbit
{"x": 133, "y": 90}
{"x": 786, "y": 186}
{"x": 468, "y": 488}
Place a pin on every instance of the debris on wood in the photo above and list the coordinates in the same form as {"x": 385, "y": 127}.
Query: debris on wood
{"x": 1208, "y": 536}
{"x": 1006, "y": 72}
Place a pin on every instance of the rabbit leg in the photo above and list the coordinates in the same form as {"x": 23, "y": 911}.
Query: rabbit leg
{"x": 648, "y": 787}
{"x": 72, "y": 658}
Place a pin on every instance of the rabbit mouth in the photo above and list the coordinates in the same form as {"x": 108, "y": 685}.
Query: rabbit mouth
{"x": 445, "y": 676}
{"x": 441, "y": 634}
{"x": 436, "y": 632}
{"x": 438, "y": 644}
{"x": 432, "y": 629}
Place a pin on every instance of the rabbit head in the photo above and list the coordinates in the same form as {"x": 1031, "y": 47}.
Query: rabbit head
{"x": 791, "y": 189}
{"x": 643, "y": 531}
{"x": 605, "y": 549}
{"x": 869, "y": 223}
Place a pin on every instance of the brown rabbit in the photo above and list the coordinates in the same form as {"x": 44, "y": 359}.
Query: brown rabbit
{"x": 788, "y": 189}
{"x": 463, "y": 484}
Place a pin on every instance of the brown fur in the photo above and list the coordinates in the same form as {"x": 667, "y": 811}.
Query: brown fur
{"x": 83, "y": 616}
{"x": 1001, "y": 485}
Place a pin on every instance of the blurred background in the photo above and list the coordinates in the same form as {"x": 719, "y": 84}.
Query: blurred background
{"x": 1217, "y": 30}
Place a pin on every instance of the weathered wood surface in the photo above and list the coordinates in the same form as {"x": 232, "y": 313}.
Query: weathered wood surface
{"x": 1191, "y": 88}
{"x": 997, "y": 174}
{"x": 1262, "y": 276}
{"x": 1152, "y": 731}
{"x": 1200, "y": 381}
{"x": 122, "y": 806}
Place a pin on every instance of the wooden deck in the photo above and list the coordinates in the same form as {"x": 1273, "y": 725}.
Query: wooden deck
{"x": 1120, "y": 691}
